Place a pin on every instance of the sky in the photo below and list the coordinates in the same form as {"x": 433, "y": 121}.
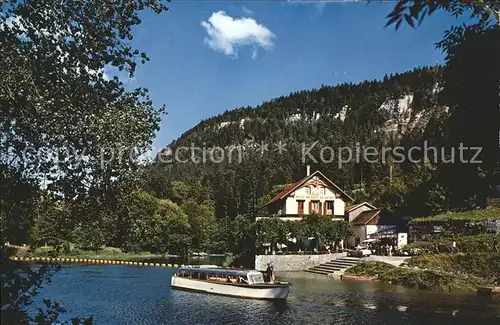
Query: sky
{"x": 211, "y": 56}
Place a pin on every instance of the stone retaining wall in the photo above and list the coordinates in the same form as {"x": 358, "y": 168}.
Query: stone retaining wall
{"x": 294, "y": 262}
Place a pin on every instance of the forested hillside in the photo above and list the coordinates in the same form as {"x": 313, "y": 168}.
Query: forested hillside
{"x": 400, "y": 110}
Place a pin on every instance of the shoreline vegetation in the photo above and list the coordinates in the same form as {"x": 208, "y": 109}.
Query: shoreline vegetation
{"x": 462, "y": 256}
{"x": 477, "y": 266}
{"x": 103, "y": 253}
{"x": 433, "y": 279}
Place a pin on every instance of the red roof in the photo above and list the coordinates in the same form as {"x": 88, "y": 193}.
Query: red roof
{"x": 285, "y": 191}
{"x": 293, "y": 186}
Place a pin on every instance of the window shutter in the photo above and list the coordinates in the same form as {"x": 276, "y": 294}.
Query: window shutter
{"x": 320, "y": 208}
{"x": 310, "y": 207}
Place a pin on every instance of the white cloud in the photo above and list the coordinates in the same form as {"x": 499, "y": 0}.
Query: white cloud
{"x": 246, "y": 10}
{"x": 226, "y": 34}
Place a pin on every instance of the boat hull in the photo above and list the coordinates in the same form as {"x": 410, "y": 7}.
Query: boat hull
{"x": 256, "y": 291}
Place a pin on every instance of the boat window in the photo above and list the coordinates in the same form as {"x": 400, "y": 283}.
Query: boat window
{"x": 256, "y": 278}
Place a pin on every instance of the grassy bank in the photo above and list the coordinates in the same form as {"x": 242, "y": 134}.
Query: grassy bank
{"x": 103, "y": 253}
{"x": 453, "y": 273}
{"x": 482, "y": 265}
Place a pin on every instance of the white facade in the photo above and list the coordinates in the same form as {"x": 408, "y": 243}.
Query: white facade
{"x": 364, "y": 230}
{"x": 361, "y": 233}
{"x": 317, "y": 194}
{"x": 314, "y": 195}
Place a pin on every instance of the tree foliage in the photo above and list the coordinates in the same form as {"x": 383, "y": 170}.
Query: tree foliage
{"x": 273, "y": 230}
{"x": 413, "y": 12}
{"x": 65, "y": 126}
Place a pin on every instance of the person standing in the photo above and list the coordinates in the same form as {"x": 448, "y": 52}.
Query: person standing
{"x": 269, "y": 272}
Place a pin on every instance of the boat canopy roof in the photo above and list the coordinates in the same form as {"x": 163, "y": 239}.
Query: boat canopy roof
{"x": 221, "y": 271}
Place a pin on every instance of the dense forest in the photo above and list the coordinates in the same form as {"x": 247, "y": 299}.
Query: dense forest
{"x": 403, "y": 110}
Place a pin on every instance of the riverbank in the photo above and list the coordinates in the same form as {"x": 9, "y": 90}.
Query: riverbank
{"x": 105, "y": 253}
{"x": 436, "y": 272}
{"x": 91, "y": 261}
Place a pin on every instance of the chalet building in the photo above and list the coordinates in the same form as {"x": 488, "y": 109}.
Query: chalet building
{"x": 365, "y": 219}
{"x": 316, "y": 193}
{"x": 313, "y": 194}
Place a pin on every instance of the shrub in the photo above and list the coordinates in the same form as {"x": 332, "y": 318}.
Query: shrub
{"x": 429, "y": 280}
{"x": 485, "y": 265}
{"x": 370, "y": 268}
{"x": 490, "y": 213}
{"x": 465, "y": 223}
{"x": 467, "y": 244}
{"x": 110, "y": 251}
{"x": 445, "y": 273}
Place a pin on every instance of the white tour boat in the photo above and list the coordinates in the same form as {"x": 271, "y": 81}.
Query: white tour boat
{"x": 229, "y": 282}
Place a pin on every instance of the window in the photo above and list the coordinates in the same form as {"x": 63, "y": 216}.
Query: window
{"x": 322, "y": 191}
{"x": 256, "y": 278}
{"x": 329, "y": 207}
{"x": 308, "y": 190}
{"x": 315, "y": 207}
{"x": 300, "y": 207}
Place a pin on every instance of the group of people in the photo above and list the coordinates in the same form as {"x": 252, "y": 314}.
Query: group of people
{"x": 384, "y": 250}
{"x": 388, "y": 250}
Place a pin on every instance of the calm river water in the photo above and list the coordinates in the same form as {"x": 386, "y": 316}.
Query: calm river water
{"x": 121, "y": 294}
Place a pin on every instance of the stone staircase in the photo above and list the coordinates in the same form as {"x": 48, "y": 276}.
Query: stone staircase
{"x": 336, "y": 266}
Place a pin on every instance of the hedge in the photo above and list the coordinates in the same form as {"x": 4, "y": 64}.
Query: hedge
{"x": 490, "y": 213}
{"x": 467, "y": 244}
{"x": 453, "y": 223}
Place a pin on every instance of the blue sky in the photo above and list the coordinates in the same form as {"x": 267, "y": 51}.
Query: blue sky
{"x": 280, "y": 48}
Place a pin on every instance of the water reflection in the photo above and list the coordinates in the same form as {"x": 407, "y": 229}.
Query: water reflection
{"x": 119, "y": 294}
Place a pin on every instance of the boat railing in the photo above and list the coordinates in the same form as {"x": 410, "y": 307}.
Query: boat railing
{"x": 213, "y": 266}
